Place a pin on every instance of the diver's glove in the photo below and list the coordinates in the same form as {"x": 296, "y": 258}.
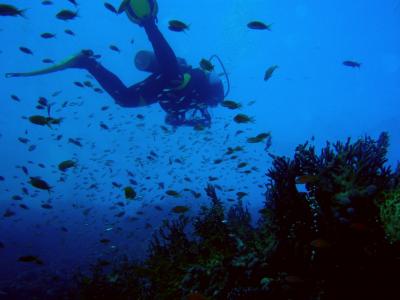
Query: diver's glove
{"x": 197, "y": 123}
{"x": 179, "y": 119}
{"x": 174, "y": 119}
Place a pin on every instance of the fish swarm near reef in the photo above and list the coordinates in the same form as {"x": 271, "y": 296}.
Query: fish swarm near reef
{"x": 330, "y": 226}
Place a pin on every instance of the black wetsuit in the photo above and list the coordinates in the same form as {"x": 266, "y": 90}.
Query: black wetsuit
{"x": 163, "y": 87}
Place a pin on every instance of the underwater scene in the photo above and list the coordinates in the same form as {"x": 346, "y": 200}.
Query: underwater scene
{"x": 214, "y": 149}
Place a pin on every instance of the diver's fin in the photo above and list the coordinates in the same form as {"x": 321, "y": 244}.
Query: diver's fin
{"x": 139, "y": 11}
{"x": 122, "y": 7}
{"x": 48, "y": 123}
{"x": 70, "y": 62}
{"x": 48, "y": 110}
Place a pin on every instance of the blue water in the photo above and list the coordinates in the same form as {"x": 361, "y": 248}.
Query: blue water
{"x": 311, "y": 95}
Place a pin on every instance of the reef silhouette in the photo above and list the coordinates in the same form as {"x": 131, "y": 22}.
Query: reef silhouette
{"x": 330, "y": 229}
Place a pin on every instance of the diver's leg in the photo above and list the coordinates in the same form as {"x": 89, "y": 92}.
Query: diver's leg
{"x": 144, "y": 93}
{"x": 107, "y": 80}
{"x": 140, "y": 94}
{"x": 164, "y": 53}
{"x": 85, "y": 60}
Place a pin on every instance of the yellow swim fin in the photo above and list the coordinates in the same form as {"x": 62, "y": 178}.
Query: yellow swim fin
{"x": 139, "y": 10}
{"x": 65, "y": 64}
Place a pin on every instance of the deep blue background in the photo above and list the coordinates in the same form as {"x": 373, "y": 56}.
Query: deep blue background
{"x": 311, "y": 94}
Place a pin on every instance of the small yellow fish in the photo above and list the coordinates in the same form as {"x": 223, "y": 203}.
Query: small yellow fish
{"x": 63, "y": 166}
{"x": 177, "y": 26}
{"x": 180, "y": 209}
{"x": 206, "y": 65}
{"x": 130, "y": 193}
{"x": 231, "y": 104}
{"x": 242, "y": 118}
{"x": 269, "y": 72}
{"x": 39, "y": 183}
{"x": 259, "y": 138}
{"x": 172, "y": 193}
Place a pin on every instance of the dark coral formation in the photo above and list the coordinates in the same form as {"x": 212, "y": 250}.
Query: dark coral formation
{"x": 329, "y": 230}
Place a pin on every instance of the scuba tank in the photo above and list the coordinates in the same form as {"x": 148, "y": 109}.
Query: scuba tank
{"x": 147, "y": 61}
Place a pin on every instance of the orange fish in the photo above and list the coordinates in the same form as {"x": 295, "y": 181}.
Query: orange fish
{"x": 196, "y": 296}
{"x": 358, "y": 227}
{"x": 320, "y": 244}
{"x": 306, "y": 179}
{"x": 293, "y": 279}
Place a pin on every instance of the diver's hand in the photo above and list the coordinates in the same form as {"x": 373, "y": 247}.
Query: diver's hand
{"x": 203, "y": 121}
{"x": 197, "y": 122}
{"x": 180, "y": 120}
{"x": 206, "y": 115}
{"x": 174, "y": 119}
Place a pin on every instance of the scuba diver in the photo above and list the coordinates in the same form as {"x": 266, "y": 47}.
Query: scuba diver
{"x": 183, "y": 92}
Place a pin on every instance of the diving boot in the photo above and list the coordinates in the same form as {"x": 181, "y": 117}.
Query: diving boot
{"x": 80, "y": 60}
{"x": 139, "y": 11}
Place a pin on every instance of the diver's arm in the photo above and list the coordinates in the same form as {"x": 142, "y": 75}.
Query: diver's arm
{"x": 206, "y": 114}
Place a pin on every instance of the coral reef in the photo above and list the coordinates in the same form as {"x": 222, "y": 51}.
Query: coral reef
{"x": 329, "y": 230}
{"x": 390, "y": 215}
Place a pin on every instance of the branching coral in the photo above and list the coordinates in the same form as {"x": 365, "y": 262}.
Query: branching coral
{"x": 239, "y": 220}
{"x": 343, "y": 179}
{"x": 171, "y": 252}
{"x": 210, "y": 226}
{"x": 390, "y": 215}
{"x": 342, "y": 186}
